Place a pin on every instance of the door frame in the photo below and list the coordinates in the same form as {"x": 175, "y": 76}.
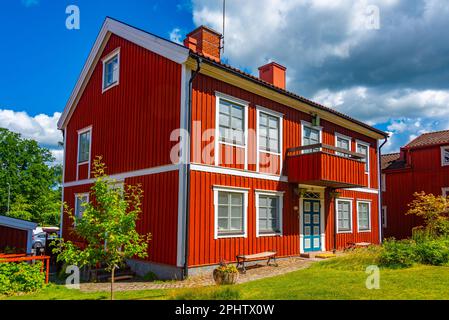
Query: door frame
{"x": 321, "y": 191}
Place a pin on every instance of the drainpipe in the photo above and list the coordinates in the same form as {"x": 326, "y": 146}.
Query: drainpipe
{"x": 379, "y": 161}
{"x": 187, "y": 173}
{"x": 332, "y": 191}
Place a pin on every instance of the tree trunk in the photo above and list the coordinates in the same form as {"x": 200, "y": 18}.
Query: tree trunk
{"x": 112, "y": 282}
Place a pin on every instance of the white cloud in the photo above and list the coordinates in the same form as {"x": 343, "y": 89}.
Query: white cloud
{"x": 42, "y": 127}
{"x": 58, "y": 154}
{"x": 176, "y": 36}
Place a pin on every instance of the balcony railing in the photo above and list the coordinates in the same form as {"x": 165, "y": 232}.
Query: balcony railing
{"x": 325, "y": 165}
{"x": 321, "y": 147}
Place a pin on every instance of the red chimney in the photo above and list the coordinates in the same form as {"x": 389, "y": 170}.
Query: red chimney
{"x": 205, "y": 41}
{"x": 273, "y": 73}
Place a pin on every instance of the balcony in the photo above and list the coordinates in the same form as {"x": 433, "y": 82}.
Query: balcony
{"x": 326, "y": 166}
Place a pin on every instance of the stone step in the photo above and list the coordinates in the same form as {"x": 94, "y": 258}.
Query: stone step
{"x": 318, "y": 255}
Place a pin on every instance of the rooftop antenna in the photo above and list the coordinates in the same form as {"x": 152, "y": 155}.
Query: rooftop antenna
{"x": 224, "y": 25}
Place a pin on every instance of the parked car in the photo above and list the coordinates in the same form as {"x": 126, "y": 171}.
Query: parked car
{"x": 40, "y": 238}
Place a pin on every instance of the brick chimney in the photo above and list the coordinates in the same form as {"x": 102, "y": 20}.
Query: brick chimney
{"x": 273, "y": 73}
{"x": 205, "y": 41}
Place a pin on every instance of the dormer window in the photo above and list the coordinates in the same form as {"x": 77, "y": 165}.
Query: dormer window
{"x": 111, "y": 70}
{"x": 445, "y": 156}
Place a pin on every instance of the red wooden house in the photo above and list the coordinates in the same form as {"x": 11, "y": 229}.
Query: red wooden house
{"x": 422, "y": 165}
{"x": 265, "y": 169}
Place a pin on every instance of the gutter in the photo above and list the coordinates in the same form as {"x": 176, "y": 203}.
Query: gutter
{"x": 379, "y": 163}
{"x": 187, "y": 180}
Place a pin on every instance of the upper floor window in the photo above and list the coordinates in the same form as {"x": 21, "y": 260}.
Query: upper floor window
{"x": 384, "y": 182}
{"x": 111, "y": 70}
{"x": 445, "y": 192}
{"x": 230, "y": 212}
{"x": 363, "y": 148}
{"x": 342, "y": 142}
{"x": 232, "y": 123}
{"x": 84, "y": 142}
{"x": 344, "y": 216}
{"x": 310, "y": 136}
{"x": 445, "y": 156}
{"x": 269, "y": 213}
{"x": 269, "y": 133}
{"x": 364, "y": 216}
{"x": 384, "y": 216}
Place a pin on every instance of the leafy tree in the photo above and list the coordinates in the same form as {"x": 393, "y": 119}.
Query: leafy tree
{"x": 35, "y": 184}
{"x": 434, "y": 210}
{"x": 108, "y": 226}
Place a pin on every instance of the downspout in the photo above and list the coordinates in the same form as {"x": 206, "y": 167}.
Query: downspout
{"x": 334, "y": 198}
{"x": 379, "y": 177}
{"x": 187, "y": 173}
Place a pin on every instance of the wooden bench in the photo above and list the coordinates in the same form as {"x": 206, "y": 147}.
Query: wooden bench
{"x": 270, "y": 255}
{"x": 355, "y": 245}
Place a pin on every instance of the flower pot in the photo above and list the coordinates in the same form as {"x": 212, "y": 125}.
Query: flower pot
{"x": 222, "y": 277}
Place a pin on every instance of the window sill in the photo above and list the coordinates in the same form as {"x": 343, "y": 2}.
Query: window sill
{"x": 109, "y": 87}
{"x": 260, "y": 235}
{"x": 84, "y": 162}
{"x": 364, "y": 231}
{"x": 224, "y": 236}
{"x": 344, "y": 232}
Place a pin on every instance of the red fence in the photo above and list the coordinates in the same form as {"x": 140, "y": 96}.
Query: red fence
{"x": 23, "y": 258}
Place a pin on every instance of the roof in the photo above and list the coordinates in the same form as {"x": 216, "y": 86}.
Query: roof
{"x": 391, "y": 160}
{"x": 429, "y": 139}
{"x": 17, "y": 223}
{"x": 179, "y": 54}
{"x": 287, "y": 93}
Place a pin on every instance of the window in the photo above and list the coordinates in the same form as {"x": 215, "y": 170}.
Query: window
{"x": 344, "y": 216}
{"x": 310, "y": 136}
{"x": 269, "y": 137}
{"x": 232, "y": 117}
{"x": 445, "y": 156}
{"x": 80, "y": 199}
{"x": 363, "y": 148}
{"x": 384, "y": 182}
{"x": 84, "y": 138}
{"x": 230, "y": 212}
{"x": 342, "y": 142}
{"x": 269, "y": 213}
{"x": 384, "y": 216}
{"x": 111, "y": 70}
{"x": 364, "y": 216}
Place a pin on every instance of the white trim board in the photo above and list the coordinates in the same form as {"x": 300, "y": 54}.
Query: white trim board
{"x": 165, "y": 48}
{"x": 17, "y": 223}
{"x": 129, "y": 174}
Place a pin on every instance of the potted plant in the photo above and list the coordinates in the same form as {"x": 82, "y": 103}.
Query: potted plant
{"x": 226, "y": 274}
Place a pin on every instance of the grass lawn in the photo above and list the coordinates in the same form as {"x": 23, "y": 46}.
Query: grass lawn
{"x": 339, "y": 278}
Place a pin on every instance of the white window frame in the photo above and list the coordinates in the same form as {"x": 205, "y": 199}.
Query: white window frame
{"x": 280, "y": 116}
{"x": 443, "y": 163}
{"x": 369, "y": 216}
{"x": 244, "y": 192}
{"x": 366, "y": 144}
{"x": 105, "y": 60}
{"x": 305, "y": 124}
{"x": 88, "y": 162}
{"x": 384, "y": 216}
{"x": 350, "y": 214}
{"x": 245, "y": 105}
{"x": 343, "y": 137}
{"x": 445, "y": 192}
{"x": 77, "y": 196}
{"x": 280, "y": 196}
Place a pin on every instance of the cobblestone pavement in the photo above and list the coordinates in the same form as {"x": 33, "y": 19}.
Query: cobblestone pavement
{"x": 255, "y": 272}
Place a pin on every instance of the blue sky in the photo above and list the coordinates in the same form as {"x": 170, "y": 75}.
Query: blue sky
{"x": 394, "y": 76}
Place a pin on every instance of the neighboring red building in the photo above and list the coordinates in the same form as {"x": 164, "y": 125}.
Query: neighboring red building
{"x": 16, "y": 235}
{"x": 422, "y": 165}
{"x": 268, "y": 182}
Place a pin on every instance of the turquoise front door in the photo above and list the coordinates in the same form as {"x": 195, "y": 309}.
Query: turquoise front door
{"x": 312, "y": 225}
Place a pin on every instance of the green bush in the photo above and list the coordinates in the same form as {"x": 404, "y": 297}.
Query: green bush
{"x": 434, "y": 252}
{"x": 20, "y": 278}
{"x": 399, "y": 254}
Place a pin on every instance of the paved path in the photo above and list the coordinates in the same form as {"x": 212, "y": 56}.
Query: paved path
{"x": 260, "y": 271}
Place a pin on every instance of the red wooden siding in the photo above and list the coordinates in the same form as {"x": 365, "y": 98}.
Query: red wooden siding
{"x": 326, "y": 169}
{"x": 132, "y": 122}
{"x": 203, "y": 110}
{"x": 159, "y": 214}
{"x": 13, "y": 238}
{"x": 269, "y": 163}
{"x": 232, "y": 157}
{"x": 425, "y": 174}
{"x": 344, "y": 238}
{"x": 204, "y": 249}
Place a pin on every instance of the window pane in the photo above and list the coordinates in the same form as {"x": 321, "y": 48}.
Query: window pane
{"x": 262, "y": 213}
{"x": 223, "y": 224}
{"x": 236, "y": 212}
{"x": 224, "y": 120}
{"x": 236, "y": 224}
{"x": 223, "y": 198}
{"x": 222, "y": 211}
{"x": 237, "y": 199}
{"x": 84, "y": 146}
